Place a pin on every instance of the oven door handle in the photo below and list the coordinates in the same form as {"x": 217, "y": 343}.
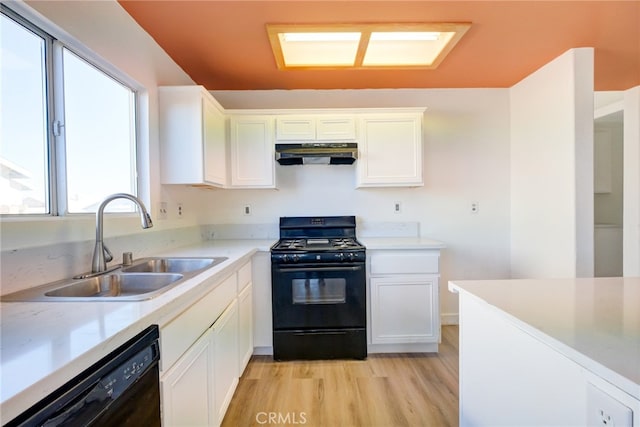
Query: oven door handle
{"x": 322, "y": 269}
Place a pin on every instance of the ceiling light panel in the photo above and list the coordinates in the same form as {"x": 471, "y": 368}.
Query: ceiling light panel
{"x": 408, "y": 49}
{"x": 320, "y": 37}
{"x": 404, "y": 35}
{"x": 319, "y": 49}
{"x": 363, "y": 45}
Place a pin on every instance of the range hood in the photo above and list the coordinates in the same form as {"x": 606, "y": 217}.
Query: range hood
{"x": 323, "y": 153}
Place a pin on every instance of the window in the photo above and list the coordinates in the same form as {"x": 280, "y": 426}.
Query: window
{"x": 24, "y": 177}
{"x": 68, "y": 127}
{"x": 99, "y": 136}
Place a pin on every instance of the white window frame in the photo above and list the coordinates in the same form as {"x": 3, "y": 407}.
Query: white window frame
{"x": 55, "y": 41}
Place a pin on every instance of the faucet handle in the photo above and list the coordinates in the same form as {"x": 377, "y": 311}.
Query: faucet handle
{"x": 108, "y": 256}
{"x": 127, "y": 258}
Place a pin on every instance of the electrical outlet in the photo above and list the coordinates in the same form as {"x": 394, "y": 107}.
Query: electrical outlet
{"x": 475, "y": 207}
{"x": 397, "y": 207}
{"x": 246, "y": 210}
{"x": 180, "y": 211}
{"x": 605, "y": 410}
{"x": 162, "y": 210}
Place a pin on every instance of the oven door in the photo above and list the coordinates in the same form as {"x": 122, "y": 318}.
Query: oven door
{"x": 313, "y": 296}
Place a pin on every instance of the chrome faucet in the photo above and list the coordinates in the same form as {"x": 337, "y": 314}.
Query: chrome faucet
{"x": 101, "y": 254}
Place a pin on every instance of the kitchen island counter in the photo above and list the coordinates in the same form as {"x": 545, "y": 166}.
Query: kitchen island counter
{"x": 45, "y": 344}
{"x": 592, "y": 322}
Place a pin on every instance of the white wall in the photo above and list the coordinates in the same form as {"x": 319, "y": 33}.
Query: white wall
{"x": 552, "y": 169}
{"x": 466, "y": 158}
{"x": 631, "y": 215}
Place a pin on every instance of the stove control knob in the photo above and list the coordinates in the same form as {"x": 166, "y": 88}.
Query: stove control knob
{"x": 295, "y": 258}
{"x": 340, "y": 256}
{"x": 285, "y": 258}
{"x": 352, "y": 256}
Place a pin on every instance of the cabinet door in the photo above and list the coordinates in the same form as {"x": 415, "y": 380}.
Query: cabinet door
{"x": 187, "y": 388}
{"x": 295, "y": 129}
{"x": 252, "y": 152}
{"x": 245, "y": 327}
{"x": 192, "y": 137}
{"x": 215, "y": 150}
{"x": 225, "y": 359}
{"x": 336, "y": 128}
{"x": 390, "y": 151}
{"x": 404, "y": 309}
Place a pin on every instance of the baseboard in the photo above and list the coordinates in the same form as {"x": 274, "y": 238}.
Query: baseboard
{"x": 450, "y": 319}
{"x": 403, "y": 348}
{"x": 263, "y": 351}
{"x": 372, "y": 349}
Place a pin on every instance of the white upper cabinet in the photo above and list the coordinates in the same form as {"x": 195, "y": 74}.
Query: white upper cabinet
{"x": 215, "y": 143}
{"x": 316, "y": 128}
{"x": 390, "y": 150}
{"x": 192, "y": 137}
{"x": 295, "y": 128}
{"x": 252, "y": 152}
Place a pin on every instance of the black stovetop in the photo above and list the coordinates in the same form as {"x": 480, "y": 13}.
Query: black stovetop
{"x": 317, "y": 244}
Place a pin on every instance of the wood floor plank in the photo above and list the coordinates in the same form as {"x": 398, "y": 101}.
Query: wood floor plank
{"x": 412, "y": 389}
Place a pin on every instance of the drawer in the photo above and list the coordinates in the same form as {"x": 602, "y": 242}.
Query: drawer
{"x": 244, "y": 276}
{"x": 179, "y": 334}
{"x": 404, "y": 262}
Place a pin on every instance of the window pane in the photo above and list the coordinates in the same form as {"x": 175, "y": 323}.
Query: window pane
{"x": 99, "y": 135}
{"x": 24, "y": 172}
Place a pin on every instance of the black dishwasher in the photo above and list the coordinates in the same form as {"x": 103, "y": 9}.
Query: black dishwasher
{"x": 122, "y": 389}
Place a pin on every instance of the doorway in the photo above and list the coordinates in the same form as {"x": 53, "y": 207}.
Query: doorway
{"x": 608, "y": 184}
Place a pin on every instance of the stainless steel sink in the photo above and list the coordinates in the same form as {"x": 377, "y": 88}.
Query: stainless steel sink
{"x": 173, "y": 265}
{"x": 115, "y": 285}
{"x": 144, "y": 279}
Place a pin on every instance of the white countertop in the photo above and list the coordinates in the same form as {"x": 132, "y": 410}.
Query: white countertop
{"x": 400, "y": 243}
{"x": 44, "y": 344}
{"x": 593, "y": 321}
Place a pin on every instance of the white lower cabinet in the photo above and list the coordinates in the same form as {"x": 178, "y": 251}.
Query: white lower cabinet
{"x": 197, "y": 390}
{"x": 245, "y": 327}
{"x": 404, "y": 299}
{"x": 188, "y": 387}
{"x": 402, "y": 309}
{"x": 203, "y": 352}
{"x": 225, "y": 359}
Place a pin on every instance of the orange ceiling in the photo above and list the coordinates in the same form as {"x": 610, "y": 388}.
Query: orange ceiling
{"x": 223, "y": 45}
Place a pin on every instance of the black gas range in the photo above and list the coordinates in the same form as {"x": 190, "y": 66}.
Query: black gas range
{"x": 318, "y": 289}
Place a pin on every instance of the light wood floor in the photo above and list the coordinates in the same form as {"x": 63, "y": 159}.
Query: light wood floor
{"x": 416, "y": 389}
